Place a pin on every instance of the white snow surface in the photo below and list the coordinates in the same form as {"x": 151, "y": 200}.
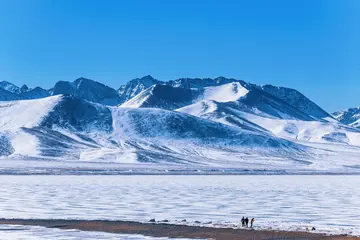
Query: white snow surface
{"x": 137, "y": 101}
{"x": 25, "y": 113}
{"x": 327, "y": 131}
{"x": 225, "y": 93}
{"x": 329, "y": 203}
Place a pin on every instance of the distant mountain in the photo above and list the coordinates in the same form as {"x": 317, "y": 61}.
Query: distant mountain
{"x": 34, "y": 93}
{"x": 8, "y": 96}
{"x": 135, "y": 86}
{"x": 199, "y": 83}
{"x": 9, "y": 87}
{"x": 13, "y": 92}
{"x": 87, "y": 89}
{"x": 349, "y": 117}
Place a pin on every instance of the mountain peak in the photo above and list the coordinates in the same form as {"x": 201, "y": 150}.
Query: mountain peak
{"x": 8, "y": 86}
{"x": 82, "y": 80}
{"x": 147, "y": 77}
{"x": 24, "y": 88}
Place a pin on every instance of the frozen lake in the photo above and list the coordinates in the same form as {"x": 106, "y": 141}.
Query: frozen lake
{"x": 330, "y": 203}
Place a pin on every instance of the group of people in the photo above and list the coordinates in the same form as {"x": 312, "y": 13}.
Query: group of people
{"x": 245, "y": 222}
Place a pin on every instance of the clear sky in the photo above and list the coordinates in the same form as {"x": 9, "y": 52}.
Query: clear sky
{"x": 310, "y": 45}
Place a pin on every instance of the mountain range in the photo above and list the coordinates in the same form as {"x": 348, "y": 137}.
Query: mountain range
{"x": 187, "y": 123}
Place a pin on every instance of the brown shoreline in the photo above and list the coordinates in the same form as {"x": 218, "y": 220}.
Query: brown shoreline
{"x": 171, "y": 230}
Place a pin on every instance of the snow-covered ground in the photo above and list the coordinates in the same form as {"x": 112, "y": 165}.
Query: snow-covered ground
{"x": 329, "y": 203}
{"x": 42, "y": 233}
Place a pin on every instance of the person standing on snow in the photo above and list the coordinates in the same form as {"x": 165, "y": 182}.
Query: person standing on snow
{"x": 243, "y": 221}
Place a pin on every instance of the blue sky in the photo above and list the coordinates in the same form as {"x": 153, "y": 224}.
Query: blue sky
{"x": 310, "y": 45}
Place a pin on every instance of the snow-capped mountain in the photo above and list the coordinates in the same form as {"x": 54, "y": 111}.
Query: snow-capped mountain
{"x": 10, "y": 87}
{"x": 199, "y": 83}
{"x": 250, "y": 96}
{"x": 9, "y": 91}
{"x": 82, "y": 87}
{"x": 252, "y": 108}
{"x": 191, "y": 122}
{"x": 72, "y": 128}
{"x": 349, "y": 117}
{"x": 135, "y": 86}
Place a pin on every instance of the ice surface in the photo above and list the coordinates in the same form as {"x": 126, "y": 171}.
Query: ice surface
{"x": 329, "y": 203}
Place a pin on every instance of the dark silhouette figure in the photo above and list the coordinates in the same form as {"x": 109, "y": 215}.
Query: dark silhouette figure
{"x": 252, "y": 222}
{"x": 243, "y": 222}
{"x": 247, "y": 222}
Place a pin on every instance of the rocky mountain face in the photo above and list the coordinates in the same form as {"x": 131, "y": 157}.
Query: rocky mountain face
{"x": 162, "y": 96}
{"x": 8, "y": 96}
{"x": 88, "y": 90}
{"x": 297, "y": 100}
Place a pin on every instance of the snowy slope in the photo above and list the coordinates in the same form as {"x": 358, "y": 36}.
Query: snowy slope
{"x": 135, "y": 86}
{"x": 65, "y": 127}
{"x": 169, "y": 97}
{"x": 305, "y": 108}
{"x": 217, "y": 123}
{"x": 238, "y": 114}
{"x": 17, "y": 114}
{"x": 250, "y": 97}
{"x": 227, "y": 113}
{"x": 15, "y": 117}
{"x": 224, "y": 93}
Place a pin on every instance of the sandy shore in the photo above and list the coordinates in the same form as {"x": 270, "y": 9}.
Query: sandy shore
{"x": 170, "y": 230}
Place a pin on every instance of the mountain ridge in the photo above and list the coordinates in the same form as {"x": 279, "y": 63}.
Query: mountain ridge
{"x": 188, "y": 122}
{"x": 133, "y": 87}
